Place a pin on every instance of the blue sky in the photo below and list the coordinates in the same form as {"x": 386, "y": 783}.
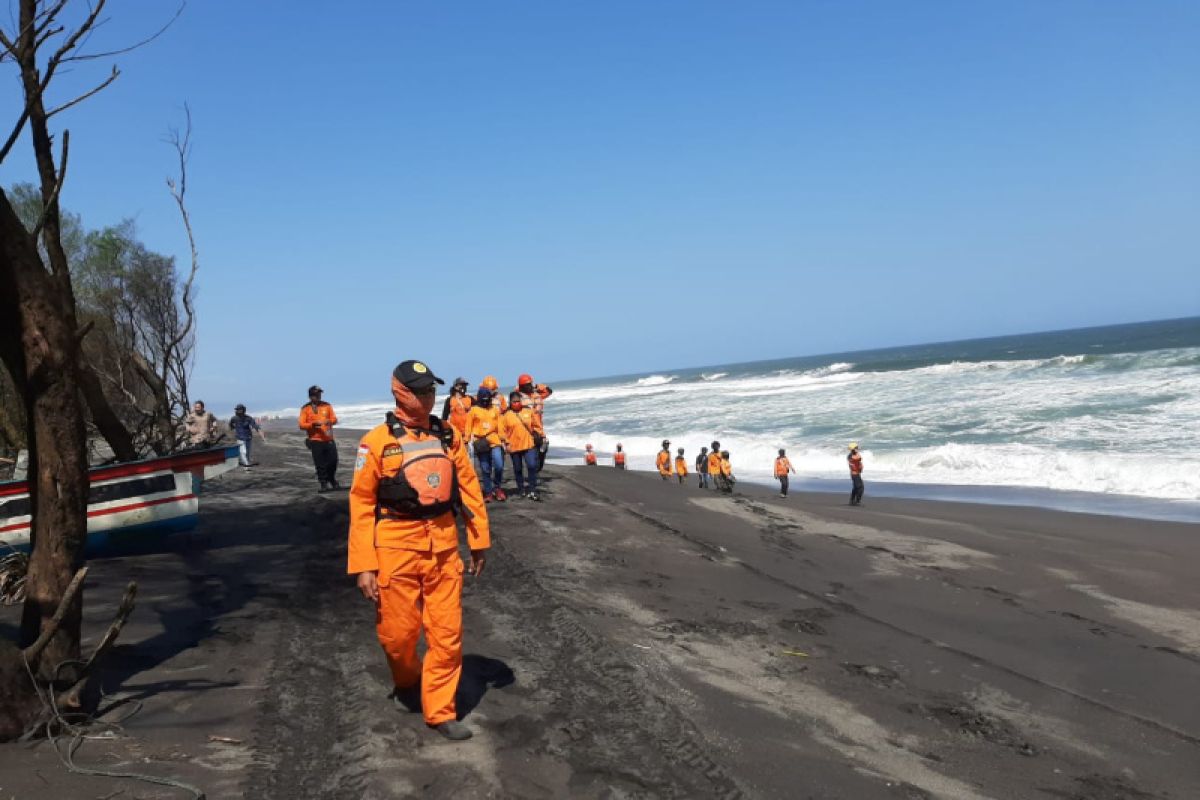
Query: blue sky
{"x": 579, "y": 189}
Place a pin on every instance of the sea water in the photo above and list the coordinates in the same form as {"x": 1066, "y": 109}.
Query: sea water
{"x": 1108, "y": 412}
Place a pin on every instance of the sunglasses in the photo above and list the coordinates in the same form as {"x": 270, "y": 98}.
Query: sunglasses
{"x": 430, "y": 389}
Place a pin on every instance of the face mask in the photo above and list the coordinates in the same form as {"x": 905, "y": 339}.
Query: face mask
{"x": 516, "y": 406}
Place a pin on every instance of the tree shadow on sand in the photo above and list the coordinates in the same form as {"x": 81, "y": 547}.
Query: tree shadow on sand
{"x": 479, "y": 673}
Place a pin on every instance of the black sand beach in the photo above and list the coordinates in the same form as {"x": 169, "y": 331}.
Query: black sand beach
{"x": 632, "y": 638}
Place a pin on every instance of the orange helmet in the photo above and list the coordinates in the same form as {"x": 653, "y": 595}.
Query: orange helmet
{"x": 524, "y": 378}
{"x": 490, "y": 383}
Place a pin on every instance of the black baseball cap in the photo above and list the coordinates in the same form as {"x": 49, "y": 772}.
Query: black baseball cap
{"x": 314, "y": 389}
{"x": 415, "y": 375}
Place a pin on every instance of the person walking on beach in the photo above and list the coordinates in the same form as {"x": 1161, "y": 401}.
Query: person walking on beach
{"x": 727, "y": 479}
{"x": 619, "y": 457}
{"x": 714, "y": 464}
{"x": 483, "y": 433}
{"x": 854, "y": 459}
{"x": 680, "y": 466}
{"x": 782, "y": 468}
{"x": 589, "y": 456}
{"x": 200, "y": 426}
{"x": 457, "y": 406}
{"x": 317, "y": 420}
{"x": 663, "y": 462}
{"x": 244, "y": 427}
{"x": 702, "y": 468}
{"x": 533, "y": 397}
{"x": 412, "y": 477}
{"x": 520, "y": 427}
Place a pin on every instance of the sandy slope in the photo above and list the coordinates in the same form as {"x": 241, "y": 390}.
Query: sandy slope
{"x": 639, "y": 639}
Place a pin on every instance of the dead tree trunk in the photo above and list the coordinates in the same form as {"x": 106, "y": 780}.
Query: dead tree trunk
{"x": 43, "y": 361}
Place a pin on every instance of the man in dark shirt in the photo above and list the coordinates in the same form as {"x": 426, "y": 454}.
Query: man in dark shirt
{"x": 244, "y": 426}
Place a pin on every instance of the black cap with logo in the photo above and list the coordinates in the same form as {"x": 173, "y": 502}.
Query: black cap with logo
{"x": 415, "y": 375}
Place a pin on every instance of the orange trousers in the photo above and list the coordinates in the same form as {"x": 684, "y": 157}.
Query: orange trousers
{"x": 419, "y": 590}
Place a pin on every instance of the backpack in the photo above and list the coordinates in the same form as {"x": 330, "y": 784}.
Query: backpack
{"x": 426, "y": 485}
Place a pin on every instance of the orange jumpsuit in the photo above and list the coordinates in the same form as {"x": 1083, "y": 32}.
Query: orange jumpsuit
{"x": 714, "y": 464}
{"x": 419, "y": 571}
{"x": 681, "y": 467}
{"x": 663, "y": 462}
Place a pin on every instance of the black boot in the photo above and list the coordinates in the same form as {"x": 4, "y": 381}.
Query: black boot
{"x": 453, "y": 730}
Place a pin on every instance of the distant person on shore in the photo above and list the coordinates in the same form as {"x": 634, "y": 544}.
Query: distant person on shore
{"x": 782, "y": 468}
{"x": 702, "y": 468}
{"x": 520, "y": 427}
{"x": 589, "y": 456}
{"x": 663, "y": 461}
{"x": 680, "y": 466}
{"x": 201, "y": 426}
{"x": 412, "y": 477}
{"x": 483, "y": 433}
{"x": 727, "y": 479}
{"x": 854, "y": 459}
{"x": 317, "y": 420}
{"x": 714, "y": 464}
{"x": 619, "y": 457}
{"x": 244, "y": 427}
{"x": 458, "y": 406}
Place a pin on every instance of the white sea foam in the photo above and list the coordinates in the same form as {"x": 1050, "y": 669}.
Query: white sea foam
{"x": 655, "y": 380}
{"x": 713, "y": 376}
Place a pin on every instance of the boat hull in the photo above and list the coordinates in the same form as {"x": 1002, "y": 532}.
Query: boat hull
{"x": 131, "y": 505}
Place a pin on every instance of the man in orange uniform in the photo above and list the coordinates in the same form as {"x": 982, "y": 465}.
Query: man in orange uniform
{"x": 782, "y": 468}
{"x": 714, "y": 464}
{"x": 483, "y": 434}
{"x": 411, "y": 476}
{"x": 457, "y": 406}
{"x": 317, "y": 420}
{"x": 533, "y": 396}
{"x": 680, "y": 466}
{"x": 663, "y": 461}
{"x": 520, "y": 427}
{"x": 589, "y": 456}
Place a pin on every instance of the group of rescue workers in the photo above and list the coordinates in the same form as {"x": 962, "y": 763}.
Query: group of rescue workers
{"x": 413, "y": 482}
{"x": 713, "y": 465}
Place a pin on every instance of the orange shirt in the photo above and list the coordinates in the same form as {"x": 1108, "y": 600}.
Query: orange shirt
{"x": 484, "y": 423}
{"x": 714, "y": 463}
{"x": 460, "y": 406}
{"x": 680, "y": 466}
{"x": 782, "y": 466}
{"x": 589, "y": 458}
{"x": 518, "y": 428}
{"x": 726, "y": 469}
{"x": 664, "y": 462}
{"x": 855, "y": 460}
{"x": 369, "y": 533}
{"x": 318, "y": 422}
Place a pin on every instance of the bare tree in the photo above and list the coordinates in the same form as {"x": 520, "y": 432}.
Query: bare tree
{"x": 40, "y": 345}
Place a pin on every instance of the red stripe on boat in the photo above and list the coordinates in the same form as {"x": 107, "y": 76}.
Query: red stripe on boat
{"x": 105, "y": 511}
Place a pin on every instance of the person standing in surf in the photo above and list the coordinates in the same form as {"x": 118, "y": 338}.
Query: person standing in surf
{"x": 854, "y": 459}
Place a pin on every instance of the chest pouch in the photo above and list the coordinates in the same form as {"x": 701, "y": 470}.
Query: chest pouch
{"x": 426, "y": 484}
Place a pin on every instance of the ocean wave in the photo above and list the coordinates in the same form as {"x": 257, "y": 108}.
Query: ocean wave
{"x": 713, "y": 376}
{"x": 655, "y": 380}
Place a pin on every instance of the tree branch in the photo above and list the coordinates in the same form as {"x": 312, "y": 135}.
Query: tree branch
{"x": 107, "y": 81}
{"x": 58, "y": 184}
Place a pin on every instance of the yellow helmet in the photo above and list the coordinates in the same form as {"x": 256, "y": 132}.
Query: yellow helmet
{"x": 490, "y": 383}
{"x": 854, "y": 445}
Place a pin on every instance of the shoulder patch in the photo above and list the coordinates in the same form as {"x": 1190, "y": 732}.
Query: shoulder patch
{"x": 391, "y": 450}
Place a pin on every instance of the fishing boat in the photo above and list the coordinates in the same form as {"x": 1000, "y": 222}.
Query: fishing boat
{"x": 130, "y": 505}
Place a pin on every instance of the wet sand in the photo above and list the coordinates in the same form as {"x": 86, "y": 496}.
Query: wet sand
{"x": 634, "y": 638}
